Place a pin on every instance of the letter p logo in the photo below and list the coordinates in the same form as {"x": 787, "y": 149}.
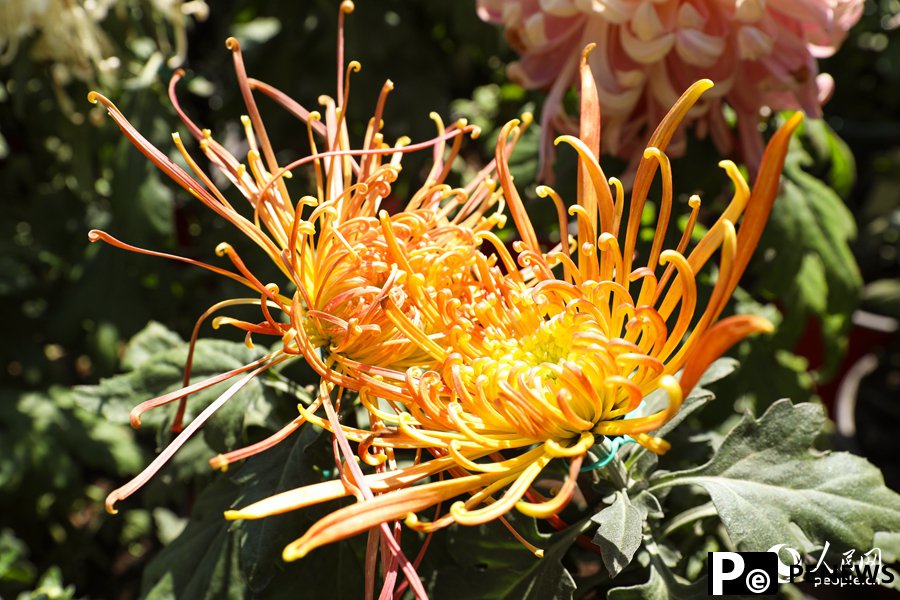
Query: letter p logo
{"x": 742, "y": 573}
{"x": 723, "y": 566}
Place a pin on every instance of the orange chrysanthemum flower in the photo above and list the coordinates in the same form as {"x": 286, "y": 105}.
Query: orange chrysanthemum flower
{"x": 341, "y": 254}
{"x": 542, "y": 360}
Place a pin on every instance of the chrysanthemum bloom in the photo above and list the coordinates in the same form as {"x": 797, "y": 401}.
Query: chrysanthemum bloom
{"x": 341, "y": 255}
{"x": 556, "y": 353}
{"x": 759, "y": 54}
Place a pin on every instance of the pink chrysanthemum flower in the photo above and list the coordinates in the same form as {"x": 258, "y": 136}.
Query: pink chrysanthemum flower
{"x": 761, "y": 54}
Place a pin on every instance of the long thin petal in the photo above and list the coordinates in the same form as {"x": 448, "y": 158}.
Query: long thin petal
{"x": 715, "y": 342}
{"x": 359, "y": 517}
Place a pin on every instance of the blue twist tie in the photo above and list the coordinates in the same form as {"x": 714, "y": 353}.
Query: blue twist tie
{"x": 615, "y": 444}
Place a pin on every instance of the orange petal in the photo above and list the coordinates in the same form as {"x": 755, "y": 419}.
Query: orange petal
{"x": 516, "y": 207}
{"x": 715, "y": 342}
{"x": 359, "y": 517}
{"x": 765, "y": 189}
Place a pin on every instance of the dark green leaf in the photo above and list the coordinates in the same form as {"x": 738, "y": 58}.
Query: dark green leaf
{"x": 833, "y": 153}
{"x": 619, "y": 533}
{"x": 662, "y": 585}
{"x": 491, "y": 564}
{"x": 203, "y": 563}
{"x": 215, "y": 558}
{"x": 148, "y": 342}
{"x": 641, "y": 461}
{"x": 50, "y": 587}
{"x": 15, "y": 568}
{"x": 285, "y": 467}
{"x": 771, "y": 488}
{"x": 155, "y": 201}
{"x": 157, "y": 363}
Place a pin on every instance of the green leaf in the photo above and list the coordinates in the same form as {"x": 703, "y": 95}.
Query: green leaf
{"x": 156, "y": 202}
{"x": 696, "y": 399}
{"x": 619, "y": 533}
{"x": 50, "y": 587}
{"x": 662, "y": 585}
{"x": 147, "y": 343}
{"x": 203, "y": 562}
{"x": 833, "y": 153}
{"x": 157, "y": 358}
{"x": 491, "y": 564}
{"x": 770, "y": 487}
{"x": 47, "y": 432}
{"x": 547, "y": 578}
{"x": 889, "y": 544}
{"x": 214, "y": 558}
{"x": 168, "y": 525}
{"x": 14, "y": 565}
{"x": 258, "y": 31}
{"x": 285, "y": 467}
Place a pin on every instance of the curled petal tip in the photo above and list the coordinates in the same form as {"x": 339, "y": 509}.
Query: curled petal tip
{"x": 355, "y": 66}
{"x": 587, "y": 50}
{"x": 93, "y": 97}
{"x": 527, "y": 118}
{"x": 511, "y": 124}
{"x": 111, "y": 504}
{"x": 95, "y": 235}
{"x": 232, "y": 43}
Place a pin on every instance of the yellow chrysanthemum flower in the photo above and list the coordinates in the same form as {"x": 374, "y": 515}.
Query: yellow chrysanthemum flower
{"x": 543, "y": 364}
